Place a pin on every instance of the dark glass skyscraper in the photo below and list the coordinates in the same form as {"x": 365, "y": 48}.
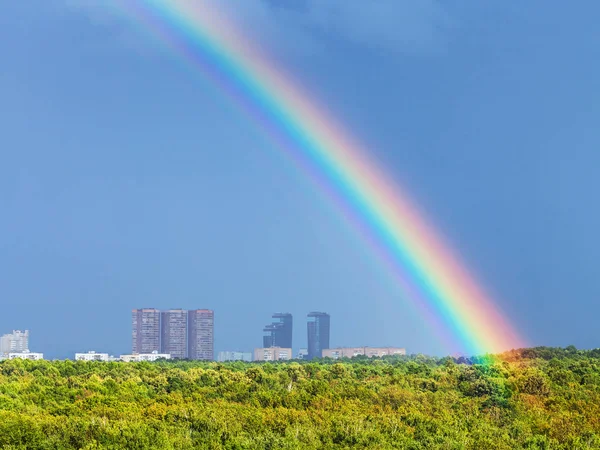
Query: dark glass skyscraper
{"x": 279, "y": 333}
{"x": 318, "y": 333}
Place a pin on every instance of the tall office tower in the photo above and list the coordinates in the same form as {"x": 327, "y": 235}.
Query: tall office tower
{"x": 15, "y": 342}
{"x": 201, "y": 334}
{"x": 145, "y": 333}
{"x": 174, "y": 333}
{"x": 279, "y": 334}
{"x": 318, "y": 334}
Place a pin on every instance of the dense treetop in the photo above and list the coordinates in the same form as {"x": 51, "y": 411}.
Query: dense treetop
{"x": 530, "y": 398}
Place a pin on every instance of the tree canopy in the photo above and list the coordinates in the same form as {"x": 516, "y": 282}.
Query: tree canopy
{"x": 538, "y": 398}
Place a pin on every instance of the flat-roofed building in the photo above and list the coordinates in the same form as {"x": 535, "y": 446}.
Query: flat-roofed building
{"x": 201, "y": 334}
{"x": 234, "y": 356}
{"x": 351, "y": 352}
{"x": 272, "y": 354}
{"x": 302, "y": 354}
{"x": 26, "y": 355}
{"x": 92, "y": 356}
{"x": 151, "y": 357}
{"x": 145, "y": 333}
{"x": 318, "y": 328}
{"x": 15, "y": 342}
{"x": 174, "y": 333}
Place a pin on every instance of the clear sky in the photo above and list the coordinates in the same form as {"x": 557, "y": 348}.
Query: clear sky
{"x": 129, "y": 180}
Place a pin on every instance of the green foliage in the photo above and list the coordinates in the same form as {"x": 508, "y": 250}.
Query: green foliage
{"x": 540, "y": 398}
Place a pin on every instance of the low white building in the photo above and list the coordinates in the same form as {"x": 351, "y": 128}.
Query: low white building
{"x": 26, "y": 355}
{"x": 137, "y": 357}
{"x": 234, "y": 356}
{"x": 370, "y": 352}
{"x": 91, "y": 356}
{"x": 302, "y": 353}
{"x": 272, "y": 354}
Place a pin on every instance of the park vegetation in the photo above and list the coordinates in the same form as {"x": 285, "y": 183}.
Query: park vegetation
{"x": 541, "y": 398}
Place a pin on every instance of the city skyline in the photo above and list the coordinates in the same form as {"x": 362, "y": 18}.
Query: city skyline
{"x": 173, "y": 332}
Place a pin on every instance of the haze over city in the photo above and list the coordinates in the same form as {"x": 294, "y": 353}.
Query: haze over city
{"x": 128, "y": 180}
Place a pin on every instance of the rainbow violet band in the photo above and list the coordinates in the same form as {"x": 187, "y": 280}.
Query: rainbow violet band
{"x": 429, "y": 274}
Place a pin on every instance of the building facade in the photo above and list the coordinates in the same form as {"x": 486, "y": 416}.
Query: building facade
{"x": 26, "y": 355}
{"x": 279, "y": 332}
{"x": 318, "y": 328}
{"x": 174, "y": 333}
{"x": 15, "y": 342}
{"x": 145, "y": 330}
{"x": 370, "y": 352}
{"x": 150, "y": 357}
{"x": 302, "y": 354}
{"x": 91, "y": 356}
{"x": 234, "y": 356}
{"x": 201, "y": 334}
{"x": 272, "y": 354}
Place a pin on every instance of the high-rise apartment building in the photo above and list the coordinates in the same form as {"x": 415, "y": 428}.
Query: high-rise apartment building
{"x": 279, "y": 333}
{"x": 201, "y": 334}
{"x": 174, "y": 333}
{"x": 318, "y": 334}
{"x": 145, "y": 330}
{"x": 17, "y": 341}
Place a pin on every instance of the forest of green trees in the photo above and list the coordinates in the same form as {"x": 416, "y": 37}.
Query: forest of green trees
{"x": 541, "y": 398}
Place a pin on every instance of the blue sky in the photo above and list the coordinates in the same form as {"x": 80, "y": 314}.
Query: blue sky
{"x": 128, "y": 180}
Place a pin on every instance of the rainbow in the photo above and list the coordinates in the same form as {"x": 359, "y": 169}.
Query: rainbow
{"x": 428, "y": 272}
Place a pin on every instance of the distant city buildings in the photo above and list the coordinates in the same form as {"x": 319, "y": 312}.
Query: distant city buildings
{"x": 272, "y": 354}
{"x": 177, "y": 332}
{"x": 145, "y": 324}
{"x": 150, "y": 357}
{"x": 15, "y": 342}
{"x": 189, "y": 334}
{"x": 234, "y": 356}
{"x": 351, "y": 352}
{"x": 318, "y": 327}
{"x": 278, "y": 337}
{"x": 26, "y": 355}
{"x": 279, "y": 333}
{"x": 92, "y": 356}
{"x": 174, "y": 333}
